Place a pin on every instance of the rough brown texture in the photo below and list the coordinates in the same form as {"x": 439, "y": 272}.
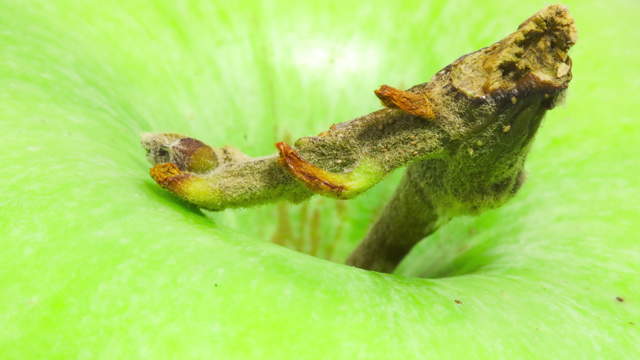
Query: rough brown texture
{"x": 406, "y": 101}
{"x": 162, "y": 173}
{"x": 314, "y": 178}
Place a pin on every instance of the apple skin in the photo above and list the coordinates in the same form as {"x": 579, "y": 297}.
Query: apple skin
{"x": 98, "y": 262}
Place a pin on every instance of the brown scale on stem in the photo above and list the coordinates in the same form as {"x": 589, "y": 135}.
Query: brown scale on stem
{"x": 409, "y": 102}
{"x": 313, "y": 177}
{"x": 165, "y": 173}
{"x": 464, "y": 136}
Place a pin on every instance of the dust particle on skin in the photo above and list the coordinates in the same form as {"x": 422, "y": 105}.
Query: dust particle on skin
{"x": 457, "y": 301}
{"x": 619, "y": 299}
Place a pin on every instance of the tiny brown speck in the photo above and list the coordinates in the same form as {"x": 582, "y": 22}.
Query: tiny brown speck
{"x": 619, "y": 299}
{"x": 457, "y": 301}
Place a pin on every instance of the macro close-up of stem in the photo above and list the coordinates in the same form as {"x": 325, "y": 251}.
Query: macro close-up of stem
{"x": 463, "y": 137}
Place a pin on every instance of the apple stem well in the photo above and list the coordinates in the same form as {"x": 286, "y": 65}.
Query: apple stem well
{"x": 464, "y": 136}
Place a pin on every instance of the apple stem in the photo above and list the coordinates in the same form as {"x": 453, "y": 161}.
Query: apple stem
{"x": 464, "y": 135}
{"x": 406, "y": 219}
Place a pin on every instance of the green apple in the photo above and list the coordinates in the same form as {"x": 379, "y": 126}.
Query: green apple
{"x": 98, "y": 262}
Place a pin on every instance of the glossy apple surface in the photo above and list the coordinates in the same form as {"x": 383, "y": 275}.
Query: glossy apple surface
{"x": 98, "y": 262}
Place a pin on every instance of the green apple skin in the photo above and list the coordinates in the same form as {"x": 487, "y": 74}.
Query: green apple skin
{"x": 98, "y": 262}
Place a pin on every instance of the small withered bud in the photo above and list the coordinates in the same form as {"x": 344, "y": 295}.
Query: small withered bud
{"x": 186, "y": 153}
{"x": 464, "y": 136}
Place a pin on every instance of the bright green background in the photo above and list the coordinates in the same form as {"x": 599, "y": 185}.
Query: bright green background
{"x": 97, "y": 262}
